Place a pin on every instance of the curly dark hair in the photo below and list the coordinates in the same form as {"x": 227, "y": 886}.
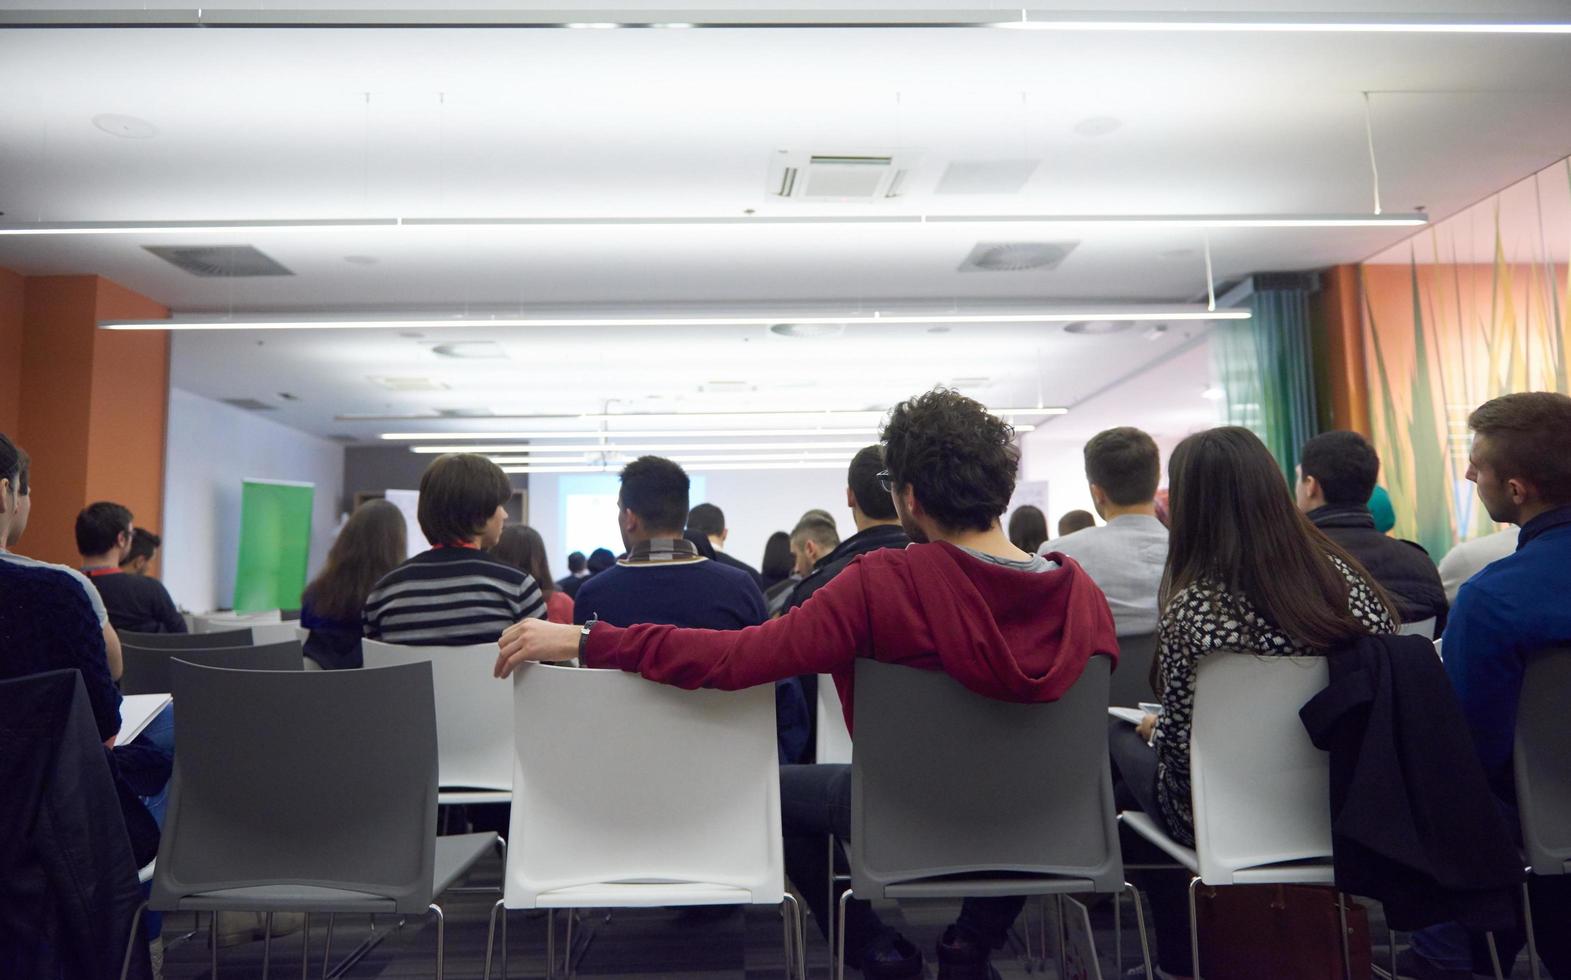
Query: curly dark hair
{"x": 957, "y": 457}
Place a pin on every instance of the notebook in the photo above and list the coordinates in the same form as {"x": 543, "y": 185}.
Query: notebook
{"x": 136, "y": 710}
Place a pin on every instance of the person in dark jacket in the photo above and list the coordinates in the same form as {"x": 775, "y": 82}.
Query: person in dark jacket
{"x": 577, "y": 571}
{"x": 709, "y": 520}
{"x": 877, "y": 525}
{"x": 135, "y": 603}
{"x": 1336, "y": 476}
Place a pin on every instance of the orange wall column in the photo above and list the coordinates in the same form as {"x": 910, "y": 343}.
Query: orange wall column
{"x": 1339, "y": 349}
{"x": 93, "y": 407}
{"x": 11, "y": 295}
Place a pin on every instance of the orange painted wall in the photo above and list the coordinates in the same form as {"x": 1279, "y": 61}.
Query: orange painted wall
{"x": 11, "y": 293}
{"x": 93, "y": 407}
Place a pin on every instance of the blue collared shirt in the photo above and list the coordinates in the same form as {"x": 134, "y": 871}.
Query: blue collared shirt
{"x": 1512, "y": 608}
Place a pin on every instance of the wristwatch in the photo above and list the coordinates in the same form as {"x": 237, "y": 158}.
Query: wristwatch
{"x": 583, "y": 634}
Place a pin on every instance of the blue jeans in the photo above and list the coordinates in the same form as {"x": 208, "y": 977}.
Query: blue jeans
{"x": 815, "y": 802}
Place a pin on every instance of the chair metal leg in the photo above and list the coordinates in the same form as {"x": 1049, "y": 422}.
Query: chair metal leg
{"x": 1041, "y": 937}
{"x": 305, "y": 946}
{"x": 1140, "y": 924}
{"x": 550, "y": 944}
{"x": 1061, "y": 934}
{"x": 1391, "y": 946}
{"x": 796, "y": 943}
{"x": 327, "y": 951}
{"x": 267, "y": 944}
{"x": 1527, "y": 927}
{"x": 441, "y": 935}
{"x": 490, "y": 935}
{"x": 212, "y": 936}
{"x": 1494, "y": 955}
{"x": 567, "y": 953}
{"x": 829, "y": 884}
{"x": 1194, "y": 931}
{"x": 1118, "y": 932}
{"x": 131, "y": 939}
{"x": 1347, "y": 953}
{"x": 837, "y": 969}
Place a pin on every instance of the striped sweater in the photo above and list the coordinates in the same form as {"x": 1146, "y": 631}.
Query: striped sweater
{"x": 450, "y": 597}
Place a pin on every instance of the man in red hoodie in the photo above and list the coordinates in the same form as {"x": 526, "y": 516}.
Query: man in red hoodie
{"x": 961, "y": 599}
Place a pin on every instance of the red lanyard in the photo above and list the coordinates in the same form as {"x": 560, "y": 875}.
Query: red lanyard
{"x": 101, "y": 572}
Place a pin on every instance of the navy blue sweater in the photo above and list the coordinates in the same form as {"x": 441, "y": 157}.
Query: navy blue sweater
{"x": 1512, "y": 608}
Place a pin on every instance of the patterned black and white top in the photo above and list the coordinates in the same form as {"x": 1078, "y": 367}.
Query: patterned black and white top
{"x": 1203, "y": 619}
{"x": 450, "y": 597}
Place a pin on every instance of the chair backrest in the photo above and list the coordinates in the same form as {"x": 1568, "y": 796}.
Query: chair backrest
{"x": 623, "y": 780}
{"x": 187, "y": 641}
{"x": 322, "y": 778}
{"x": 474, "y": 712}
{"x": 1261, "y": 790}
{"x": 833, "y": 738}
{"x": 1131, "y": 682}
{"x": 1423, "y": 627}
{"x": 947, "y": 782}
{"x": 1543, "y": 762}
{"x": 147, "y": 671}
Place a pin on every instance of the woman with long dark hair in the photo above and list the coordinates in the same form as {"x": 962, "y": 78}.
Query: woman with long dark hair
{"x": 1246, "y": 573}
{"x": 778, "y": 563}
{"x": 1028, "y": 528}
{"x": 522, "y": 547}
{"x": 372, "y": 542}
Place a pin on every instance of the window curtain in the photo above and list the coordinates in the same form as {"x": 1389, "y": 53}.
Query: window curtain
{"x": 1266, "y": 369}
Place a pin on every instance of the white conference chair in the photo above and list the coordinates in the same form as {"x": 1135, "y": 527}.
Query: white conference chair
{"x": 1261, "y": 790}
{"x": 629, "y": 794}
{"x": 834, "y": 739}
{"x": 473, "y": 718}
{"x": 1424, "y": 628}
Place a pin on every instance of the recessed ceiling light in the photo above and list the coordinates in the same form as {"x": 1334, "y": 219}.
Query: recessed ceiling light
{"x": 1097, "y": 327}
{"x": 361, "y": 259}
{"x": 1097, "y": 126}
{"x": 1214, "y": 393}
{"x": 808, "y": 329}
{"x": 125, "y": 127}
{"x": 938, "y": 329}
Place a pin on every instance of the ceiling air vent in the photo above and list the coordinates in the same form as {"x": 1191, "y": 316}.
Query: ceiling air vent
{"x": 219, "y": 261}
{"x": 1017, "y": 256}
{"x": 838, "y": 177}
{"x": 249, "y": 404}
{"x": 393, "y": 383}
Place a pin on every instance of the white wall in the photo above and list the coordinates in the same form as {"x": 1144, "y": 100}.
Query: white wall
{"x": 212, "y": 448}
{"x": 756, "y": 504}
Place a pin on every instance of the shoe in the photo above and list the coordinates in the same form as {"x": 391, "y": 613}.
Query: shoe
{"x": 1411, "y": 966}
{"x": 891, "y": 957}
{"x": 961, "y": 957}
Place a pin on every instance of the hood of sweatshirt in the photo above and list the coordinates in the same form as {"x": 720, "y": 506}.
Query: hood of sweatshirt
{"x": 1004, "y": 633}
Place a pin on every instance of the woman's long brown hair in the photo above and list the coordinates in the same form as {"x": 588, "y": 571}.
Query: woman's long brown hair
{"x": 1233, "y": 522}
{"x": 371, "y": 544}
{"x": 522, "y": 547}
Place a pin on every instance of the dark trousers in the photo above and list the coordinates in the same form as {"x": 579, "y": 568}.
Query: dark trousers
{"x": 1134, "y": 788}
{"x": 815, "y": 802}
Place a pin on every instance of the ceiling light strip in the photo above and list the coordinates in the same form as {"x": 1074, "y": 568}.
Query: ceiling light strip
{"x": 698, "y": 467}
{"x": 858, "y": 319}
{"x": 630, "y": 434}
{"x": 784, "y": 18}
{"x": 650, "y": 447}
{"x": 872, "y": 414}
{"x": 237, "y": 226}
{"x": 812, "y": 457}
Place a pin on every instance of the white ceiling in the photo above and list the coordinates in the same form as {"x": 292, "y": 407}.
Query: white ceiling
{"x": 463, "y": 122}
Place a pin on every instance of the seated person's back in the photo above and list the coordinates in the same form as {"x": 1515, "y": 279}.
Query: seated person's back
{"x": 1337, "y": 474}
{"x": 455, "y": 594}
{"x": 1126, "y": 556}
{"x": 687, "y": 591}
{"x": 104, "y": 538}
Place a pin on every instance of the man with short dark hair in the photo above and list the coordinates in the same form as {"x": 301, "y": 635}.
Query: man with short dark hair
{"x": 873, "y": 513}
{"x": 1126, "y": 556}
{"x": 663, "y": 579}
{"x": 1336, "y": 476}
{"x": 812, "y": 539}
{"x": 962, "y": 599}
{"x": 577, "y": 571}
{"x": 455, "y": 594}
{"x": 135, "y": 603}
{"x": 709, "y": 520}
{"x": 1075, "y": 520}
{"x": 1517, "y": 606}
{"x": 144, "y": 545}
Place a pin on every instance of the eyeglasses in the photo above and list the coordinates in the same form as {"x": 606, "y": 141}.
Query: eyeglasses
{"x": 886, "y": 481}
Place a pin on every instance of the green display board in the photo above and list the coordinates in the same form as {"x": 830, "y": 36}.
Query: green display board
{"x": 275, "y": 544}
